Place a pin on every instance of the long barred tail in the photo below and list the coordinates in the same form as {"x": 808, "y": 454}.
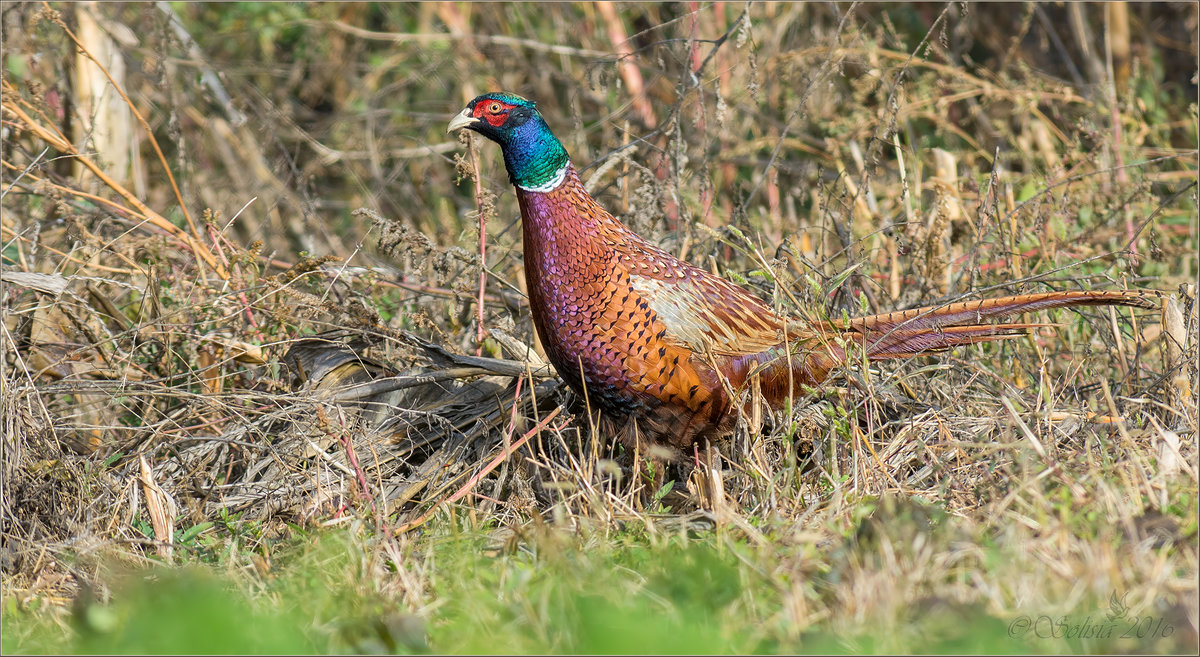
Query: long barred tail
{"x": 908, "y": 333}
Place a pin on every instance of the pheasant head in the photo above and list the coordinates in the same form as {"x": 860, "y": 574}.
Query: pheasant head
{"x": 535, "y": 159}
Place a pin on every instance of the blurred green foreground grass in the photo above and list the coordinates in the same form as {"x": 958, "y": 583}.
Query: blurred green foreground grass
{"x": 634, "y": 591}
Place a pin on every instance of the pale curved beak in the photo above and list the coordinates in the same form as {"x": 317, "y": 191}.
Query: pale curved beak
{"x": 461, "y": 120}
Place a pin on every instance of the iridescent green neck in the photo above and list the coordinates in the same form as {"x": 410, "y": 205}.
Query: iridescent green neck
{"x": 536, "y": 160}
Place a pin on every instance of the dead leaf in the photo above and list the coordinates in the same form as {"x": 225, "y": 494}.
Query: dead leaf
{"x": 162, "y": 511}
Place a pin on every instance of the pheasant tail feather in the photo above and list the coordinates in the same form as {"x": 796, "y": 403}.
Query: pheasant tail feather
{"x": 908, "y": 333}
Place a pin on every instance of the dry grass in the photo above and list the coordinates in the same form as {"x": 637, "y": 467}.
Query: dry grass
{"x": 211, "y": 363}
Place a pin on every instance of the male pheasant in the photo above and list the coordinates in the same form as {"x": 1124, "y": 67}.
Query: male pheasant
{"x": 665, "y": 347}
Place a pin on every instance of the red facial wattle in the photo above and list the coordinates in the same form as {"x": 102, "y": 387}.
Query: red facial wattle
{"x": 493, "y": 111}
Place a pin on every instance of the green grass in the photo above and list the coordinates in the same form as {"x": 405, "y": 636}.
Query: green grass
{"x": 640, "y": 590}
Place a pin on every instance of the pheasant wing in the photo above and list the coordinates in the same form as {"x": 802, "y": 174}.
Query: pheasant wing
{"x": 704, "y": 312}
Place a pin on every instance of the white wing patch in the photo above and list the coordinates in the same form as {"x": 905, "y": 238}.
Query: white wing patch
{"x": 675, "y": 307}
{"x": 683, "y": 309}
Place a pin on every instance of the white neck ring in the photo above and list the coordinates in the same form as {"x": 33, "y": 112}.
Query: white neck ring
{"x": 550, "y": 185}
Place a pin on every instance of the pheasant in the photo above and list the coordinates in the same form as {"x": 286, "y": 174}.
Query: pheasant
{"x": 665, "y": 348}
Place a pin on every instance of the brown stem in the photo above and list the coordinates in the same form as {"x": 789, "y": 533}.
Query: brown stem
{"x": 145, "y": 126}
{"x": 153, "y": 217}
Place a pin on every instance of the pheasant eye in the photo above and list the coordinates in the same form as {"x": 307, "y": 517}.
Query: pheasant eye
{"x": 494, "y": 108}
